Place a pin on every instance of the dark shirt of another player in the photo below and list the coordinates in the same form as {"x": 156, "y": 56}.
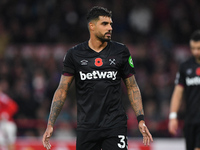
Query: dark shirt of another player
{"x": 189, "y": 77}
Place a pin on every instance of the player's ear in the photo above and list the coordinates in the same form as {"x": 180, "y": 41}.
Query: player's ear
{"x": 91, "y": 26}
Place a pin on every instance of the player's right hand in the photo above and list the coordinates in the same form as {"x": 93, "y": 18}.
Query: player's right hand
{"x": 173, "y": 126}
{"x": 46, "y": 137}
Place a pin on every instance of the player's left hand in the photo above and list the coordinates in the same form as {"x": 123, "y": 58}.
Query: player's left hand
{"x": 46, "y": 137}
{"x": 147, "y": 137}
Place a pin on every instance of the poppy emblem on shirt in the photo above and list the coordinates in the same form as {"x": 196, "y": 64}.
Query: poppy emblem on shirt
{"x": 98, "y": 62}
{"x": 198, "y": 71}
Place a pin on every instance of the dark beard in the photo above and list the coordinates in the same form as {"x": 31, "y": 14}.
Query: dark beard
{"x": 102, "y": 39}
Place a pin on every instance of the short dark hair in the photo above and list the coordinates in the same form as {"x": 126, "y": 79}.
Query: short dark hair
{"x": 195, "y": 36}
{"x": 97, "y": 11}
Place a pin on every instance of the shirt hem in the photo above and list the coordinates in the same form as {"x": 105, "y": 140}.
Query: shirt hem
{"x": 104, "y": 128}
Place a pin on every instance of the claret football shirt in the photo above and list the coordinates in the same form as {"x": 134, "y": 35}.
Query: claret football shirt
{"x": 98, "y": 83}
{"x": 189, "y": 77}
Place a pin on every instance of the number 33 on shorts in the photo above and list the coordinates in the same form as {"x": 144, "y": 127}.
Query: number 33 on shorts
{"x": 123, "y": 142}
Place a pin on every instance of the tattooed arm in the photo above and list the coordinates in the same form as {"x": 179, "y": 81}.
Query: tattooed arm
{"x": 56, "y": 106}
{"x": 59, "y": 98}
{"x": 134, "y": 95}
{"x": 136, "y": 103}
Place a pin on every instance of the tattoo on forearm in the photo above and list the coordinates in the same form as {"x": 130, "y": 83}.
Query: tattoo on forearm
{"x": 59, "y": 99}
{"x": 134, "y": 95}
{"x": 55, "y": 110}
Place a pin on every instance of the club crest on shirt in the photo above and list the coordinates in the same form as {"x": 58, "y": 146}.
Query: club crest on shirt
{"x": 112, "y": 61}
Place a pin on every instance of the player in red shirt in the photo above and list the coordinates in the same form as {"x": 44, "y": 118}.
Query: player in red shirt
{"x": 8, "y": 108}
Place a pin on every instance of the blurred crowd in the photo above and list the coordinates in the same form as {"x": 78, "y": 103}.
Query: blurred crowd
{"x": 35, "y": 35}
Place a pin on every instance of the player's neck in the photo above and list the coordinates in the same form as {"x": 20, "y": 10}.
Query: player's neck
{"x": 197, "y": 61}
{"x": 97, "y": 45}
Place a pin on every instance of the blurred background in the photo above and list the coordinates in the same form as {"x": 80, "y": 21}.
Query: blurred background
{"x": 35, "y": 35}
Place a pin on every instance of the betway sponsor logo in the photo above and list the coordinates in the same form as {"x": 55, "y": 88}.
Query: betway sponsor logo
{"x": 98, "y": 75}
{"x": 193, "y": 81}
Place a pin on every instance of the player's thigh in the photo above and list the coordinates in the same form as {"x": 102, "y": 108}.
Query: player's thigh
{"x": 189, "y": 133}
{"x": 7, "y": 132}
{"x": 197, "y": 137}
{"x": 116, "y": 140}
{"x": 88, "y": 140}
{"x": 11, "y": 132}
{"x": 2, "y": 138}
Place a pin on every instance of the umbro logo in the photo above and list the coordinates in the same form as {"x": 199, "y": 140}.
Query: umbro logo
{"x": 84, "y": 62}
{"x": 189, "y": 71}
